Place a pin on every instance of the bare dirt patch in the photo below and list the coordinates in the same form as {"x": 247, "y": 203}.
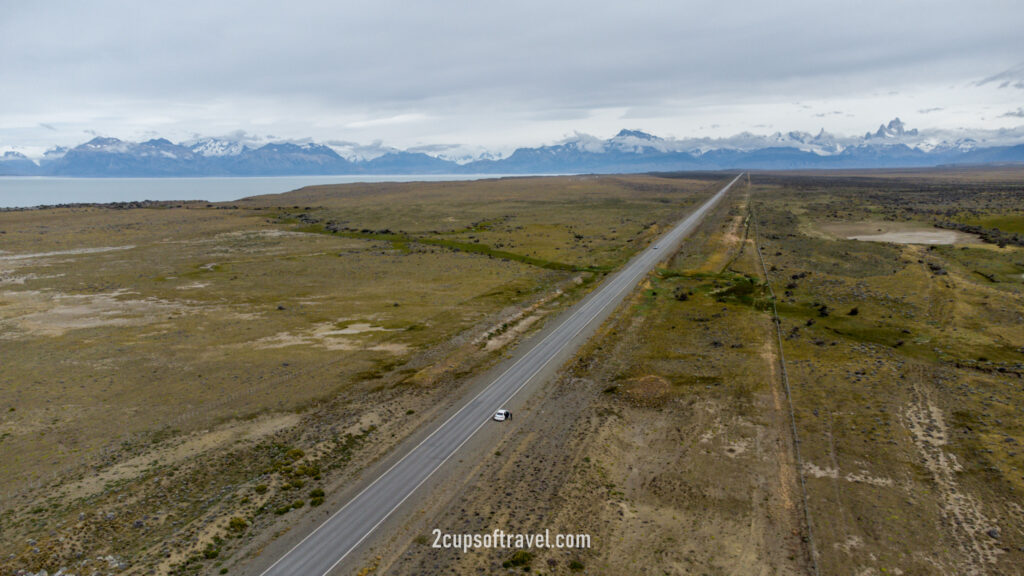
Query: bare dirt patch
{"x": 963, "y": 512}
{"x": 8, "y": 257}
{"x": 518, "y": 322}
{"x": 180, "y": 449}
{"x": 649, "y": 390}
{"x": 896, "y": 233}
{"x": 327, "y": 335}
{"x": 39, "y": 313}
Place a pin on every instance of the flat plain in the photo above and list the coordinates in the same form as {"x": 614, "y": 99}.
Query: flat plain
{"x": 671, "y": 439}
{"x": 182, "y": 384}
{"x": 171, "y": 368}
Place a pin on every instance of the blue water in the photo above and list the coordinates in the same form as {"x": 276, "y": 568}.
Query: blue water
{"x": 20, "y": 192}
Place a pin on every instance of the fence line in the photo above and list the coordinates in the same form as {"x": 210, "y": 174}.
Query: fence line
{"x": 789, "y": 397}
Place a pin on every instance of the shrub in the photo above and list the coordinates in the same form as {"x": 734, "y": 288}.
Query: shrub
{"x": 307, "y": 470}
{"x": 518, "y": 558}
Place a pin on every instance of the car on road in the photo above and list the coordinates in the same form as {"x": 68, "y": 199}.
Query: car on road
{"x": 502, "y": 415}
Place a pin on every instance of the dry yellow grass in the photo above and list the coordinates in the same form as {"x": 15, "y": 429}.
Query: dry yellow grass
{"x": 131, "y": 336}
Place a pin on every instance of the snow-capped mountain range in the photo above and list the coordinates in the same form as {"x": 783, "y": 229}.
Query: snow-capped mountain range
{"x": 892, "y": 145}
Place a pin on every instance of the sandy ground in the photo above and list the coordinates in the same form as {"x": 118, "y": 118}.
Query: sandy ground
{"x": 896, "y": 232}
{"x": 924, "y": 237}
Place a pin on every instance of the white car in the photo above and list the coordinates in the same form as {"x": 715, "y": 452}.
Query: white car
{"x": 502, "y": 415}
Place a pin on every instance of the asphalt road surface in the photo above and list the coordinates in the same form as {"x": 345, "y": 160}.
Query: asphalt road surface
{"x": 346, "y": 529}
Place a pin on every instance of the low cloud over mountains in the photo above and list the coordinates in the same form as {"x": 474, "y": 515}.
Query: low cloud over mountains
{"x": 891, "y": 145}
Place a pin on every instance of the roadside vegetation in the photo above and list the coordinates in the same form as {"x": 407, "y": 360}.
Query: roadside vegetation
{"x": 666, "y": 439}
{"x": 669, "y": 437}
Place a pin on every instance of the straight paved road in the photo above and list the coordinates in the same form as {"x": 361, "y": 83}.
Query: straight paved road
{"x": 329, "y": 544}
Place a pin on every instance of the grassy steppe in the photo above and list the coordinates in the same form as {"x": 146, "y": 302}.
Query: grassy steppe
{"x": 666, "y": 439}
{"x": 669, "y": 441}
{"x": 179, "y": 378}
{"x": 906, "y": 363}
{"x": 240, "y": 364}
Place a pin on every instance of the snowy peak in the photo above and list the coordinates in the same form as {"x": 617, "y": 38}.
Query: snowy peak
{"x": 216, "y": 147}
{"x": 15, "y": 163}
{"x": 55, "y": 153}
{"x": 307, "y": 148}
{"x": 895, "y": 129}
{"x": 629, "y": 150}
{"x": 639, "y": 142}
{"x": 639, "y": 134}
{"x": 102, "y": 144}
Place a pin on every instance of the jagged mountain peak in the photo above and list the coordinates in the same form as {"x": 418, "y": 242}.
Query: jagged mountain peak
{"x": 894, "y": 129}
{"x": 216, "y": 147}
{"x": 626, "y": 133}
{"x": 101, "y": 142}
{"x": 893, "y": 144}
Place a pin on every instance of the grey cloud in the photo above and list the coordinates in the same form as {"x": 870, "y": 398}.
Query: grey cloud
{"x": 1012, "y": 78}
{"x": 393, "y": 52}
{"x": 649, "y": 112}
{"x": 433, "y": 148}
{"x": 286, "y": 68}
{"x": 1018, "y": 113}
{"x": 930, "y": 110}
{"x": 560, "y": 114}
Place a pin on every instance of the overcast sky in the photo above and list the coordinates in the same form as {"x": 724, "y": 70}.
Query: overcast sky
{"x": 495, "y": 75}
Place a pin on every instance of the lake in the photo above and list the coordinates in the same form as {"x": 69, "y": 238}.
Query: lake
{"x": 21, "y": 192}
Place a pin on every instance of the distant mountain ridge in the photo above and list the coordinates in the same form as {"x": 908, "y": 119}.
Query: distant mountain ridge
{"x": 892, "y": 145}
